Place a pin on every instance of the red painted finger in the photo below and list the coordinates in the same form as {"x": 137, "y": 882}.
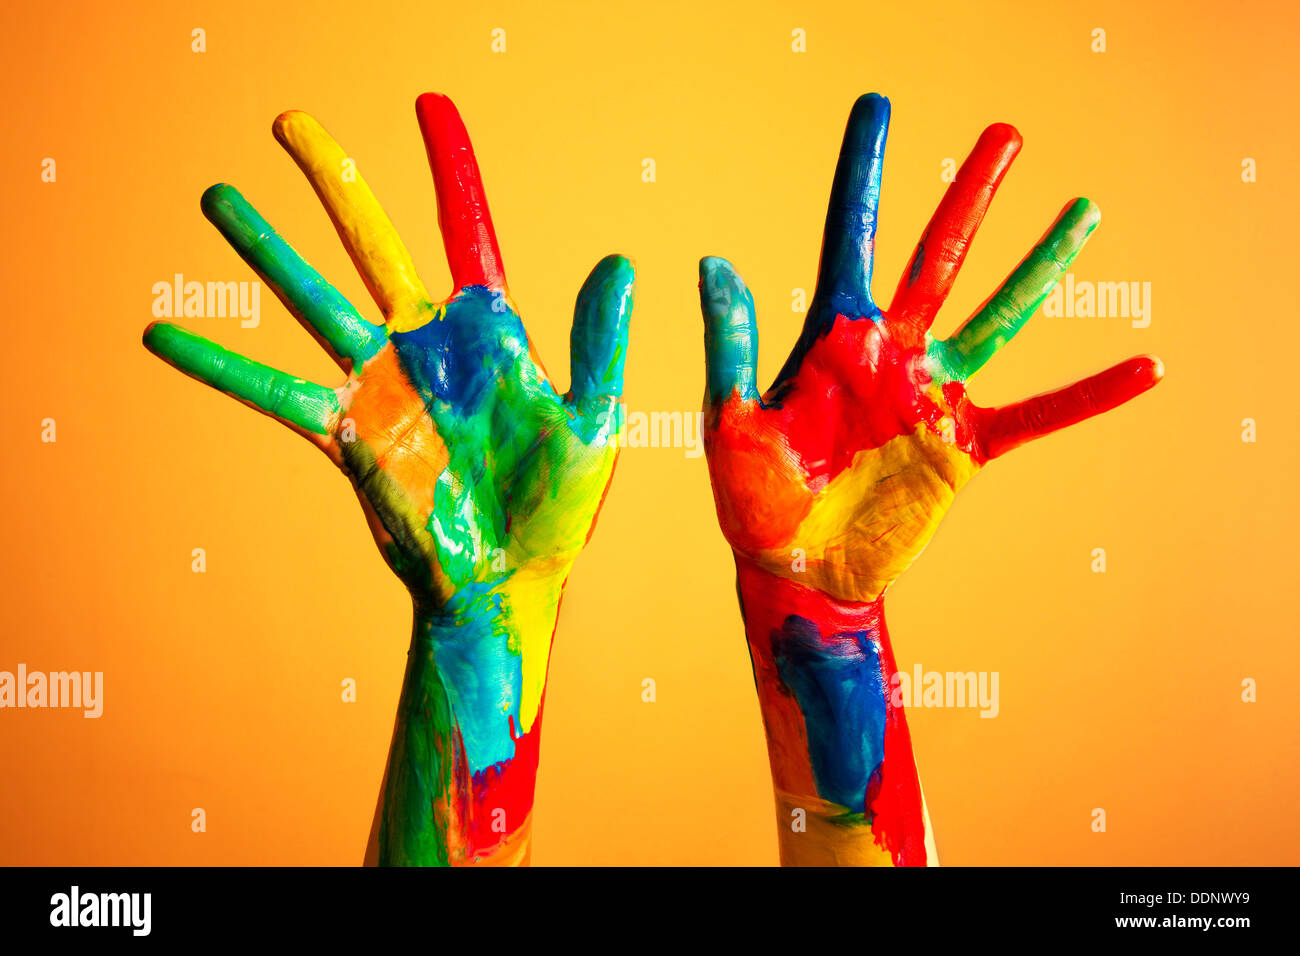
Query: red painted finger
{"x": 934, "y": 265}
{"x": 1002, "y": 429}
{"x": 463, "y": 216}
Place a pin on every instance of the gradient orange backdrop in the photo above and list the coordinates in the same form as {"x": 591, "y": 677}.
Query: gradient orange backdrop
{"x": 222, "y": 690}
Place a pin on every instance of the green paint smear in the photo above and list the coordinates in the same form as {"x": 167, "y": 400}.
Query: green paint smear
{"x": 280, "y": 395}
{"x": 416, "y": 809}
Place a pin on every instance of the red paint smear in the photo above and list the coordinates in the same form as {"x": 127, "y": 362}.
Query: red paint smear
{"x": 505, "y": 786}
{"x": 862, "y": 385}
{"x": 508, "y": 785}
{"x": 894, "y": 795}
{"x": 1008, "y": 427}
{"x": 758, "y": 485}
{"x": 463, "y": 217}
{"x": 933, "y": 268}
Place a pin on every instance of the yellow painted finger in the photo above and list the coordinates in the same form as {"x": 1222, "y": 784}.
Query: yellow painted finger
{"x": 362, "y": 224}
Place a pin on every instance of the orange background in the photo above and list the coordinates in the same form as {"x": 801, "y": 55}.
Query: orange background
{"x": 222, "y": 690}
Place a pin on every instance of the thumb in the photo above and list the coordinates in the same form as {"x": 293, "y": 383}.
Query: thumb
{"x": 598, "y": 343}
{"x": 730, "y": 332}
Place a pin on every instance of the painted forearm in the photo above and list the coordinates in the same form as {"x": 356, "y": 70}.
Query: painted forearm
{"x": 847, "y": 791}
{"x": 459, "y": 784}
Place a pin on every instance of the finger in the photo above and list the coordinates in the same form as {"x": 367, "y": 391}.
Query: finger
{"x": 730, "y": 333}
{"x": 302, "y": 289}
{"x": 598, "y": 343}
{"x": 463, "y": 216}
{"x": 844, "y": 277}
{"x": 933, "y": 269}
{"x": 1006, "y": 312}
{"x": 1002, "y": 429}
{"x": 290, "y": 400}
{"x": 368, "y": 235}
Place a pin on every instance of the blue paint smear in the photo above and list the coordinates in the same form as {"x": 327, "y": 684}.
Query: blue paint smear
{"x": 844, "y": 276}
{"x": 482, "y": 675}
{"x": 845, "y": 271}
{"x": 456, "y": 357}
{"x": 842, "y": 694}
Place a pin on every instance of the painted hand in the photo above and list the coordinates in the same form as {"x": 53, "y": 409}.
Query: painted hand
{"x": 857, "y": 450}
{"x": 831, "y": 483}
{"x": 481, "y": 482}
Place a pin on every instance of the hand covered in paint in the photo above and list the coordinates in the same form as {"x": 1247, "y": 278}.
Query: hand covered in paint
{"x": 831, "y": 483}
{"x": 469, "y": 463}
{"x": 857, "y": 450}
{"x": 480, "y": 480}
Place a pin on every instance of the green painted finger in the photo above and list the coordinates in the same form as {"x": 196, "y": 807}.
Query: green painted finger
{"x": 598, "y": 343}
{"x": 300, "y": 287}
{"x": 978, "y": 340}
{"x": 283, "y": 397}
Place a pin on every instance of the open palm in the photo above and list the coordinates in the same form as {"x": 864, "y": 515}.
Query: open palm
{"x": 839, "y": 474}
{"x": 471, "y": 467}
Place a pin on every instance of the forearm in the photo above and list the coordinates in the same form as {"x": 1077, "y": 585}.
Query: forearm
{"x": 846, "y": 786}
{"x": 459, "y": 784}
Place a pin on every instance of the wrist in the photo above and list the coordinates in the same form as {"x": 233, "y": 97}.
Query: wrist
{"x": 463, "y": 764}
{"x": 847, "y": 791}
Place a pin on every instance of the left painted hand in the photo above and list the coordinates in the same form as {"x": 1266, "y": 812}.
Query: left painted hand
{"x": 479, "y": 479}
{"x": 470, "y": 465}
